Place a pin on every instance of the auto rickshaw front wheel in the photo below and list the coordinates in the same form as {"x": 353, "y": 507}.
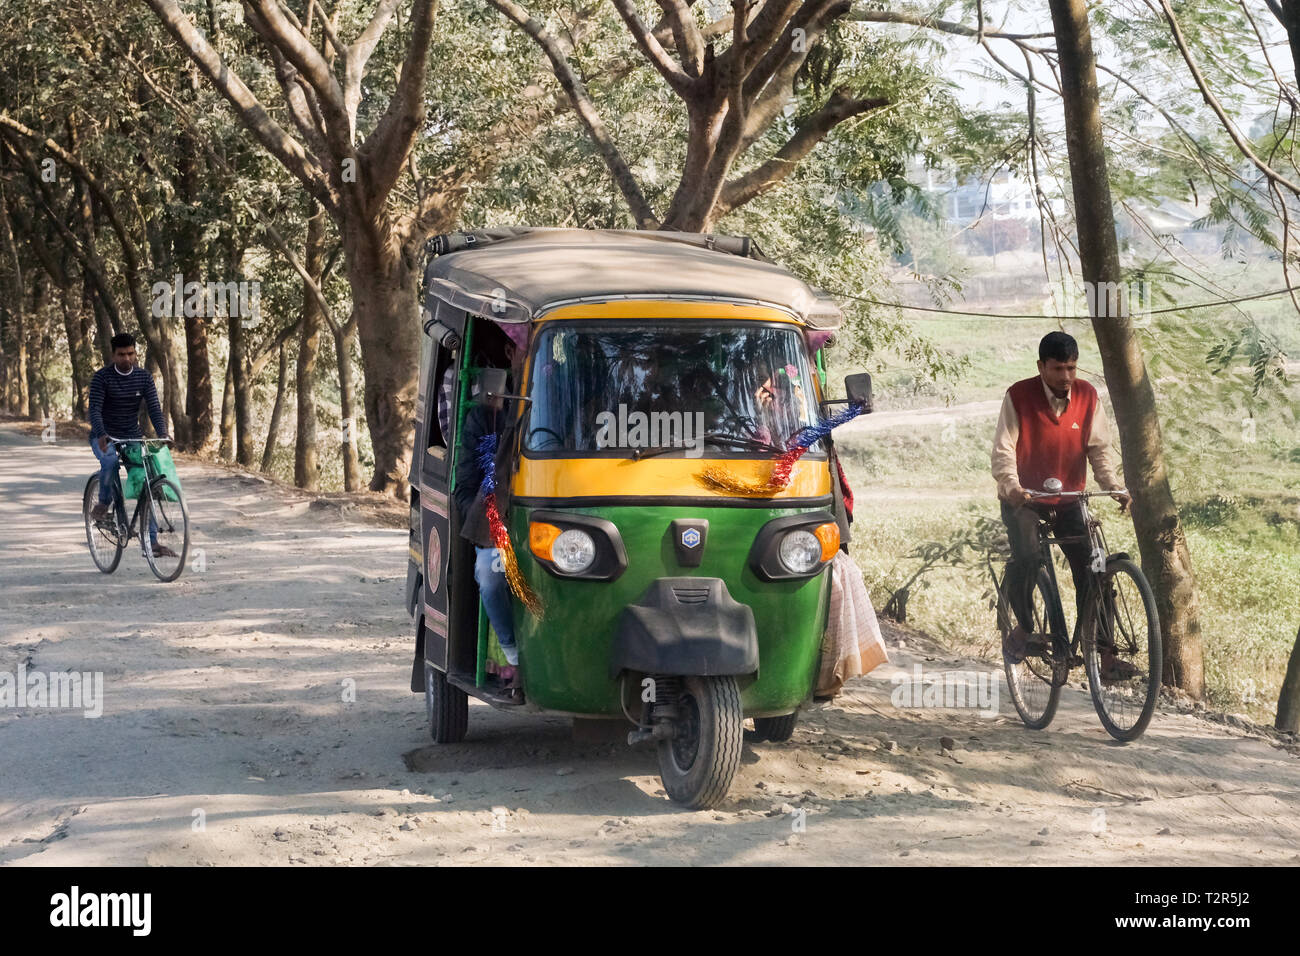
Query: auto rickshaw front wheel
{"x": 446, "y": 706}
{"x": 699, "y": 761}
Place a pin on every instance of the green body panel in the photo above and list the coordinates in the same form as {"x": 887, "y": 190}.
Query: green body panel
{"x": 564, "y": 658}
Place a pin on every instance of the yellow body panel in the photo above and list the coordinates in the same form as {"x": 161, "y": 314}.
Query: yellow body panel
{"x": 658, "y": 476}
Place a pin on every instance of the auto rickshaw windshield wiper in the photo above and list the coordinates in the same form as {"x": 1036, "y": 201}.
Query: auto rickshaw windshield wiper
{"x": 717, "y": 438}
{"x": 639, "y": 453}
{"x": 744, "y": 441}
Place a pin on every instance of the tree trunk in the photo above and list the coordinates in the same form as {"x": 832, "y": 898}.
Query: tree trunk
{"x": 384, "y": 301}
{"x": 240, "y": 383}
{"x": 1288, "y": 13}
{"x": 198, "y": 368}
{"x": 78, "y": 352}
{"x": 277, "y": 411}
{"x": 18, "y": 322}
{"x": 39, "y": 349}
{"x": 306, "y": 461}
{"x": 227, "y": 446}
{"x": 103, "y": 323}
{"x": 1165, "y": 558}
{"x": 1288, "y": 701}
{"x": 351, "y": 464}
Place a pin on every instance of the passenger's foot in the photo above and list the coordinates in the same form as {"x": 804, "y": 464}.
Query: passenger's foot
{"x": 98, "y": 512}
{"x": 162, "y": 551}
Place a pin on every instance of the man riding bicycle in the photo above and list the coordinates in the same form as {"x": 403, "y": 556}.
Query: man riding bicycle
{"x": 1050, "y": 426}
{"x": 116, "y": 391}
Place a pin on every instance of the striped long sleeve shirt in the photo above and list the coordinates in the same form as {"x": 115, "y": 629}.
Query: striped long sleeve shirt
{"x": 115, "y": 403}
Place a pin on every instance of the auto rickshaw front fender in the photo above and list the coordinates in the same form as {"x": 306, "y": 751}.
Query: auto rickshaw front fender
{"x": 686, "y": 626}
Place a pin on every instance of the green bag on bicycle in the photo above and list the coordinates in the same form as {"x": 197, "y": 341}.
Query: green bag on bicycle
{"x": 163, "y": 464}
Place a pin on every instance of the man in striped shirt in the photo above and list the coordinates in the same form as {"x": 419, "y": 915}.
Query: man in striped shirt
{"x": 115, "y": 394}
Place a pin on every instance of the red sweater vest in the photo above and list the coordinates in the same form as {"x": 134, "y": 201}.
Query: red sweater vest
{"x": 1049, "y": 447}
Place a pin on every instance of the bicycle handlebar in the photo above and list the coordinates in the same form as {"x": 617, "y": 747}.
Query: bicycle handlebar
{"x": 1077, "y": 494}
{"x": 143, "y": 441}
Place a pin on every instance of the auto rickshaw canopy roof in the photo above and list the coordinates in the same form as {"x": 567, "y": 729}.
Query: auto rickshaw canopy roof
{"x": 515, "y": 274}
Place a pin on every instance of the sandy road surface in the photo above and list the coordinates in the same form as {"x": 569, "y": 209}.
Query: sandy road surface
{"x": 223, "y": 704}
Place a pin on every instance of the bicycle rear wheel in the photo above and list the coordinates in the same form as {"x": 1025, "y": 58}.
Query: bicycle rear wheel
{"x": 166, "y": 551}
{"x": 106, "y": 544}
{"x": 1034, "y": 693}
{"x": 1122, "y": 650}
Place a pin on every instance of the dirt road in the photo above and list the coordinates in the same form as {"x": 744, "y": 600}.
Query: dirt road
{"x": 225, "y": 737}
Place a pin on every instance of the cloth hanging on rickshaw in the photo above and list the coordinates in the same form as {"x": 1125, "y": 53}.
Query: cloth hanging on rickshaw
{"x": 852, "y": 645}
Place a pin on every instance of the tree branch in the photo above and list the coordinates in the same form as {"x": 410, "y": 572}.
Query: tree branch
{"x": 947, "y": 26}
{"x": 766, "y": 26}
{"x": 130, "y": 256}
{"x": 1213, "y": 102}
{"x": 653, "y": 50}
{"x": 291, "y": 154}
{"x": 686, "y": 36}
{"x": 356, "y": 56}
{"x": 840, "y": 107}
{"x": 772, "y": 78}
{"x": 586, "y": 110}
{"x": 385, "y": 149}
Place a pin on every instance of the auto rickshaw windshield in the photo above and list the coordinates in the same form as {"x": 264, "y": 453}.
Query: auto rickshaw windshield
{"x": 616, "y": 388}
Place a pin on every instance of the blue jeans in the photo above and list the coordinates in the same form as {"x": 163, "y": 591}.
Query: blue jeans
{"x": 495, "y": 592}
{"x": 108, "y": 465}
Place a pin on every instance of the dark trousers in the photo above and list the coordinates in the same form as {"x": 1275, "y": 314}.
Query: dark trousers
{"x": 1022, "y": 570}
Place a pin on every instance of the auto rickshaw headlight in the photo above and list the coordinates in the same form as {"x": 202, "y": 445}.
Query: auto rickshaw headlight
{"x": 573, "y": 551}
{"x": 801, "y": 551}
{"x": 794, "y": 546}
{"x": 573, "y": 545}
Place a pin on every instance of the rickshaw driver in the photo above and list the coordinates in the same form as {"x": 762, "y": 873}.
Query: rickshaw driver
{"x": 489, "y": 572}
{"x": 780, "y": 400}
{"x": 1048, "y": 423}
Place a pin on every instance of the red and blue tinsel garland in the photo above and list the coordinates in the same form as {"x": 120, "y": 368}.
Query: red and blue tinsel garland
{"x": 485, "y": 454}
{"x": 718, "y": 478}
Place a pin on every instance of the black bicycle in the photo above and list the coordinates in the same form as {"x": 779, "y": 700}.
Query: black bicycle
{"x": 161, "y": 519}
{"x": 1117, "y": 641}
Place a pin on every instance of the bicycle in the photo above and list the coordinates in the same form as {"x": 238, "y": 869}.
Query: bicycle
{"x": 1119, "y": 616}
{"x": 160, "y": 515}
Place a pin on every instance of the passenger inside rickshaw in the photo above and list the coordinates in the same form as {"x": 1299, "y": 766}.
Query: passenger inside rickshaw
{"x": 493, "y": 349}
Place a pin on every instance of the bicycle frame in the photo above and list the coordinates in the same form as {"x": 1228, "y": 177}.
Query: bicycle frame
{"x": 1099, "y": 554}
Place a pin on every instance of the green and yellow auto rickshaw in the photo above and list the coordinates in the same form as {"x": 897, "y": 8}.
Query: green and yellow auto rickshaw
{"x": 672, "y": 552}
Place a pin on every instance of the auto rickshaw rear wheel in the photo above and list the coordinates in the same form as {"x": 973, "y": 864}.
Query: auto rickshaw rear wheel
{"x": 698, "y": 763}
{"x": 446, "y": 706}
{"x": 775, "y": 729}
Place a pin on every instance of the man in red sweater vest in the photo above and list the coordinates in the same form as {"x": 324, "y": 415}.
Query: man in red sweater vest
{"x": 1051, "y": 426}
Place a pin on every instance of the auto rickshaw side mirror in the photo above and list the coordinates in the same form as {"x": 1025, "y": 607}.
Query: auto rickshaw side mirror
{"x": 489, "y": 388}
{"x": 858, "y": 389}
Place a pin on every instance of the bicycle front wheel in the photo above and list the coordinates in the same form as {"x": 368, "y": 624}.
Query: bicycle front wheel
{"x": 165, "y": 548}
{"x": 102, "y": 537}
{"x": 1034, "y": 692}
{"x": 1122, "y": 650}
